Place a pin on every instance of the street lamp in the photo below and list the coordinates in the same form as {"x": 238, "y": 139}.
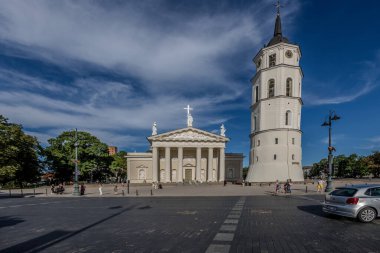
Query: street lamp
{"x": 332, "y": 117}
{"x": 76, "y": 186}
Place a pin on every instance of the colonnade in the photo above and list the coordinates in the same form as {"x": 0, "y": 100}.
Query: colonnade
{"x": 180, "y": 176}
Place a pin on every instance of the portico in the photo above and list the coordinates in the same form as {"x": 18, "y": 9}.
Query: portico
{"x": 188, "y": 154}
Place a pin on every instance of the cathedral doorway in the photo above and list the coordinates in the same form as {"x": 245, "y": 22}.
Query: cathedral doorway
{"x": 188, "y": 175}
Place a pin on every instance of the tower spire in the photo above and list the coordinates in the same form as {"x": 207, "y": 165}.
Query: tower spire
{"x": 277, "y": 27}
{"x": 277, "y": 35}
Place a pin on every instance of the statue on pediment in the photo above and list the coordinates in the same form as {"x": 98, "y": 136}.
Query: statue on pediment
{"x": 222, "y": 130}
{"x": 154, "y": 128}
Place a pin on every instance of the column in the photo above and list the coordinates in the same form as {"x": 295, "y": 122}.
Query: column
{"x": 167, "y": 164}
{"x": 180, "y": 163}
{"x": 198, "y": 168}
{"x": 209, "y": 166}
{"x": 222, "y": 170}
{"x": 155, "y": 164}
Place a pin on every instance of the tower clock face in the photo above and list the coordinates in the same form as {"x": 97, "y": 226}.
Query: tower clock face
{"x": 289, "y": 54}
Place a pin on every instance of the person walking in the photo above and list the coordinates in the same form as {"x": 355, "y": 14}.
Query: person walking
{"x": 82, "y": 189}
{"x": 100, "y": 189}
{"x": 115, "y": 190}
{"x": 277, "y": 187}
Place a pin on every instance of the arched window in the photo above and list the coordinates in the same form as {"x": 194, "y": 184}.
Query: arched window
{"x": 288, "y": 118}
{"x": 271, "y": 88}
{"x": 289, "y": 87}
{"x": 257, "y": 93}
{"x": 255, "y": 123}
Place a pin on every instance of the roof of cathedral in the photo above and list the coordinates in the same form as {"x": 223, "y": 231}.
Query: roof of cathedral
{"x": 188, "y": 134}
{"x": 277, "y": 36}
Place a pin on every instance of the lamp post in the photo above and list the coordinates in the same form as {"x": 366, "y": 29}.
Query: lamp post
{"x": 76, "y": 186}
{"x": 332, "y": 117}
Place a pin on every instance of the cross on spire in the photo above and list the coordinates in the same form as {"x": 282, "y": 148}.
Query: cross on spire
{"x": 188, "y": 108}
{"x": 278, "y": 6}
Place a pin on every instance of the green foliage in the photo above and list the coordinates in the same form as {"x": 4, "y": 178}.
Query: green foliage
{"x": 119, "y": 166}
{"x": 318, "y": 168}
{"x": 374, "y": 163}
{"x": 18, "y": 154}
{"x": 92, "y": 156}
{"x": 352, "y": 166}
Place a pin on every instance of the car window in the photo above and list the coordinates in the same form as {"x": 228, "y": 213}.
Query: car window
{"x": 346, "y": 192}
{"x": 375, "y": 192}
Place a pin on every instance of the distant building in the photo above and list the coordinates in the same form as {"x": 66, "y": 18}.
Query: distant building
{"x": 112, "y": 150}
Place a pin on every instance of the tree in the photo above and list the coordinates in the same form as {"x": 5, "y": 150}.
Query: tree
{"x": 93, "y": 158}
{"x": 119, "y": 166}
{"x": 18, "y": 154}
{"x": 374, "y": 164}
{"x": 340, "y": 164}
{"x": 319, "y": 168}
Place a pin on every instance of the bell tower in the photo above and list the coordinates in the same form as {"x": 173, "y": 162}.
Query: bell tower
{"x": 276, "y": 151}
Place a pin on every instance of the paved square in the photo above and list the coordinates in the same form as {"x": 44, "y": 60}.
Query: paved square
{"x": 179, "y": 224}
{"x": 224, "y": 237}
{"x": 228, "y": 228}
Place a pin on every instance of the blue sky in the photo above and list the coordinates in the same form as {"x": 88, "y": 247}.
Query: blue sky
{"x": 114, "y": 67}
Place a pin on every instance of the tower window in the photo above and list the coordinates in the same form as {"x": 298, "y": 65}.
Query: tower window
{"x": 258, "y": 142}
{"x": 255, "y": 123}
{"x": 257, "y": 93}
{"x": 272, "y": 60}
{"x": 288, "y": 118}
{"x": 289, "y": 87}
{"x": 271, "y": 88}
{"x": 257, "y": 158}
{"x": 293, "y": 141}
{"x": 293, "y": 157}
{"x": 276, "y": 140}
{"x": 274, "y": 157}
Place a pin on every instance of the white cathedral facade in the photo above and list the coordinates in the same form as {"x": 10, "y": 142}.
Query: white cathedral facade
{"x": 276, "y": 151}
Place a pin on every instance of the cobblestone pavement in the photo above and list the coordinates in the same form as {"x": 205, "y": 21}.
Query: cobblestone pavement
{"x": 180, "y": 224}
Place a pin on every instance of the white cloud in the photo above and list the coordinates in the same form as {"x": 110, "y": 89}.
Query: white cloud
{"x": 164, "y": 55}
{"x": 368, "y": 80}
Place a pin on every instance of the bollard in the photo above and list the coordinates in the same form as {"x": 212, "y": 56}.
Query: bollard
{"x": 10, "y": 193}
{"x": 151, "y": 192}
{"x": 128, "y": 187}
{"x": 137, "y": 193}
{"x": 306, "y": 189}
{"x": 22, "y": 193}
{"x": 46, "y": 191}
{"x": 122, "y": 192}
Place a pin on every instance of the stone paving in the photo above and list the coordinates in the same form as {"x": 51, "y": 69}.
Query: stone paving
{"x": 261, "y": 223}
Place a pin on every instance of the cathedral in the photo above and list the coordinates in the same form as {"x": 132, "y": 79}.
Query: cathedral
{"x": 275, "y": 149}
{"x": 185, "y": 155}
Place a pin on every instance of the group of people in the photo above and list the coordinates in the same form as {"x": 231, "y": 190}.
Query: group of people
{"x": 156, "y": 185}
{"x": 59, "y": 189}
{"x": 286, "y": 188}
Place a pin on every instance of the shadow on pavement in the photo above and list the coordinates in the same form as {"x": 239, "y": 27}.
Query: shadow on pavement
{"x": 45, "y": 241}
{"x": 317, "y": 210}
{"x": 6, "y": 221}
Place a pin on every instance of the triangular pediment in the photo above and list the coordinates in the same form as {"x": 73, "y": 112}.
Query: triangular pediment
{"x": 188, "y": 134}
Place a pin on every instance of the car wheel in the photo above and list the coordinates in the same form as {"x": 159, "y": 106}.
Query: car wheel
{"x": 367, "y": 214}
